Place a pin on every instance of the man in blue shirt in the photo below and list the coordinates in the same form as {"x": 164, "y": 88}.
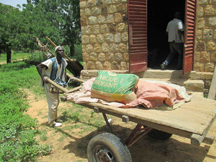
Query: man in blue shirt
{"x": 53, "y": 68}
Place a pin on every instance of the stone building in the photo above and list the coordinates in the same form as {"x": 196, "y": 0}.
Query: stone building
{"x": 205, "y": 47}
{"x": 104, "y": 35}
{"x": 109, "y": 36}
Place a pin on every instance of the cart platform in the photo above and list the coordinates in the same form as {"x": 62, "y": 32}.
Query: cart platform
{"x": 192, "y": 120}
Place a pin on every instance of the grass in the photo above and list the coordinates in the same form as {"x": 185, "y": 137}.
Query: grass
{"x": 18, "y": 129}
{"x": 14, "y": 57}
{"x": 78, "y": 120}
{"x": 43, "y": 135}
{"x": 64, "y": 136}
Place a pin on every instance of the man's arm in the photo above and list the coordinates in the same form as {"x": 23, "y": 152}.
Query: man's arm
{"x": 39, "y": 69}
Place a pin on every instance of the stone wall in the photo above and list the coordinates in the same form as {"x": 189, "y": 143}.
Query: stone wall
{"x": 104, "y": 34}
{"x": 205, "y": 46}
{"x": 105, "y": 37}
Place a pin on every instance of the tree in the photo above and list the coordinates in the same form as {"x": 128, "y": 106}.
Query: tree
{"x": 59, "y": 20}
{"x": 70, "y": 25}
{"x": 17, "y": 28}
{"x": 38, "y": 25}
{"x": 63, "y": 15}
{"x": 8, "y": 22}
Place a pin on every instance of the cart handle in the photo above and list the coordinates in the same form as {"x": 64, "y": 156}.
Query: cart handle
{"x": 55, "y": 84}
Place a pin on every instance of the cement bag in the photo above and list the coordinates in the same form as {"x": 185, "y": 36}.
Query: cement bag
{"x": 114, "y": 87}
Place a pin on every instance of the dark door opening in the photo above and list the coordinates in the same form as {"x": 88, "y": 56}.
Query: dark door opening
{"x": 159, "y": 14}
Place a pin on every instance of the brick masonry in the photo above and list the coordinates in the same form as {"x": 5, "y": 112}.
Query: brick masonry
{"x": 105, "y": 36}
{"x": 205, "y": 46}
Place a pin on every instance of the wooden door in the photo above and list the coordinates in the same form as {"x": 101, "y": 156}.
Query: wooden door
{"x": 190, "y": 16}
{"x": 137, "y": 30}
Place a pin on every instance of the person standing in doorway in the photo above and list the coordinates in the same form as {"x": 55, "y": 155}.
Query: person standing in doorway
{"x": 175, "y": 31}
{"x": 53, "y": 68}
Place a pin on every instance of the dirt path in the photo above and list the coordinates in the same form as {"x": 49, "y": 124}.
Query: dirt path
{"x": 5, "y": 62}
{"x": 70, "y": 141}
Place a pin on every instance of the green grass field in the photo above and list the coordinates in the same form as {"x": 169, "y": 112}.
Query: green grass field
{"x": 19, "y": 131}
{"x": 14, "y": 57}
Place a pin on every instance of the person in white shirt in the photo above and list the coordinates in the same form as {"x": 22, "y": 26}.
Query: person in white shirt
{"x": 175, "y": 31}
{"x": 53, "y": 68}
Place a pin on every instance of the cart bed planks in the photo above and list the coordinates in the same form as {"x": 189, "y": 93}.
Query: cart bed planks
{"x": 191, "y": 120}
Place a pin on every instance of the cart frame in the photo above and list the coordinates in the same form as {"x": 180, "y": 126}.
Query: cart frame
{"x": 147, "y": 121}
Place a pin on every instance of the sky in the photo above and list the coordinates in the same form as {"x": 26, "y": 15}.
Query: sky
{"x": 14, "y": 2}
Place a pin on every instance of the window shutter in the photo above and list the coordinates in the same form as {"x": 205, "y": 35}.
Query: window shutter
{"x": 190, "y": 15}
{"x": 137, "y": 31}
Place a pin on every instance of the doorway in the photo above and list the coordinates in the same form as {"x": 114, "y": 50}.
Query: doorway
{"x": 159, "y": 14}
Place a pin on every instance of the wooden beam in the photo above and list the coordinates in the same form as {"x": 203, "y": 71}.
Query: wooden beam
{"x": 125, "y": 118}
{"x": 74, "y": 78}
{"x": 197, "y": 139}
{"x": 212, "y": 89}
{"x": 74, "y": 89}
{"x": 209, "y": 139}
{"x": 114, "y": 111}
{"x": 56, "y": 85}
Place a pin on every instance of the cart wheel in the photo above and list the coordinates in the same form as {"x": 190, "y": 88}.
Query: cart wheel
{"x": 159, "y": 135}
{"x": 106, "y": 147}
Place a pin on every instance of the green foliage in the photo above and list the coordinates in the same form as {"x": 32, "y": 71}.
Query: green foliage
{"x": 64, "y": 15}
{"x": 71, "y": 116}
{"x": 92, "y": 113}
{"x": 43, "y": 135}
{"x": 9, "y": 24}
{"x": 14, "y": 66}
{"x": 62, "y": 137}
{"x": 40, "y": 56}
{"x": 17, "y": 131}
{"x": 78, "y": 52}
{"x": 59, "y": 20}
{"x": 38, "y": 24}
{"x": 37, "y": 56}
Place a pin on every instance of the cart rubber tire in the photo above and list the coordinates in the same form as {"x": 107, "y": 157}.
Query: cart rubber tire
{"x": 159, "y": 135}
{"x": 109, "y": 148}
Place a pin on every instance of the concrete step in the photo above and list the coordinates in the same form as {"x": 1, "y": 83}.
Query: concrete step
{"x": 190, "y": 85}
{"x": 167, "y": 74}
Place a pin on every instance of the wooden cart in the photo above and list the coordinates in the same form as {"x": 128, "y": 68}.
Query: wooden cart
{"x": 192, "y": 120}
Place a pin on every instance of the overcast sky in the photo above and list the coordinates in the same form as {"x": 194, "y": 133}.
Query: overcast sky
{"x": 14, "y": 2}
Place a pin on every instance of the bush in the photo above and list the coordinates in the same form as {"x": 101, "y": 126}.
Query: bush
{"x": 14, "y": 66}
{"x": 78, "y": 52}
{"x": 37, "y": 56}
{"x": 40, "y": 56}
{"x": 17, "y": 131}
